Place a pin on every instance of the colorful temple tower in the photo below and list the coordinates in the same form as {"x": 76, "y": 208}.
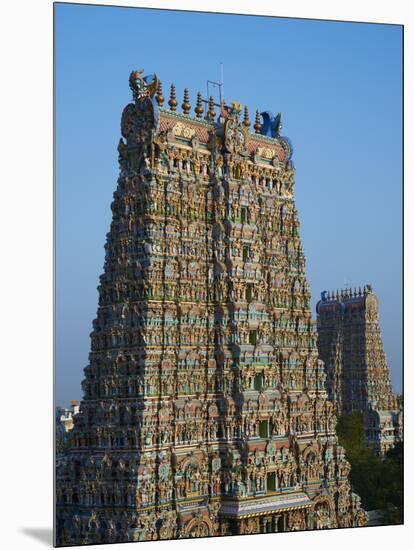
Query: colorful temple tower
{"x": 204, "y": 410}
{"x": 350, "y": 344}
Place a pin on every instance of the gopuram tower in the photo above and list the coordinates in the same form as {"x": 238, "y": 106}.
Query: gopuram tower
{"x": 204, "y": 410}
{"x": 358, "y": 379}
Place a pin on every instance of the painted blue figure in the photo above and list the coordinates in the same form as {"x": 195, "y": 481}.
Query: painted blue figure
{"x": 144, "y": 87}
{"x": 150, "y": 79}
{"x": 324, "y": 295}
{"x": 271, "y": 124}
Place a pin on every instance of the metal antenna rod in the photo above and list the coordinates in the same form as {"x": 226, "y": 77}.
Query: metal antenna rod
{"x": 222, "y": 83}
{"x": 219, "y": 85}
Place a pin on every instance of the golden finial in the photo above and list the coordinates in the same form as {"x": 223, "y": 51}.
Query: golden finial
{"x": 159, "y": 97}
{"x": 199, "y": 107}
{"x": 173, "y": 100}
{"x": 211, "y": 114}
{"x": 246, "y": 119}
{"x": 257, "y": 124}
{"x": 186, "y": 103}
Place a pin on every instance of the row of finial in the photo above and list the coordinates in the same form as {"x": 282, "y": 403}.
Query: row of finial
{"x": 199, "y": 110}
{"x": 348, "y": 293}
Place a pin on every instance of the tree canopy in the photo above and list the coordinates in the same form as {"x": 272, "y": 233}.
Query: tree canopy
{"x": 378, "y": 481}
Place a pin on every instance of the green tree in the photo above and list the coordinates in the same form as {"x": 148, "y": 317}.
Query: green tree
{"x": 378, "y": 481}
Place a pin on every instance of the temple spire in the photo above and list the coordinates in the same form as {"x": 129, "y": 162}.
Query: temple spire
{"x": 257, "y": 124}
{"x": 186, "y": 102}
{"x": 211, "y": 114}
{"x": 246, "y": 120}
{"x": 173, "y": 100}
{"x": 199, "y": 106}
{"x": 159, "y": 97}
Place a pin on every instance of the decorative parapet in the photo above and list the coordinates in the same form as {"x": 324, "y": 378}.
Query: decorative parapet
{"x": 265, "y": 145}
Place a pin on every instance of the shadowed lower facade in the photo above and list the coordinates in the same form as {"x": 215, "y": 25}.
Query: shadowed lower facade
{"x": 204, "y": 409}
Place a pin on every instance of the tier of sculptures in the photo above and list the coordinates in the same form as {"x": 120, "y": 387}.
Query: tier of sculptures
{"x": 358, "y": 378}
{"x": 204, "y": 410}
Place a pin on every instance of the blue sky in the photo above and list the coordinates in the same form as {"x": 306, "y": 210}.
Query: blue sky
{"x": 339, "y": 88}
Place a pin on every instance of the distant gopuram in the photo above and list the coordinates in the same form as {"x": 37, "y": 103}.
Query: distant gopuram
{"x": 204, "y": 410}
{"x": 350, "y": 344}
